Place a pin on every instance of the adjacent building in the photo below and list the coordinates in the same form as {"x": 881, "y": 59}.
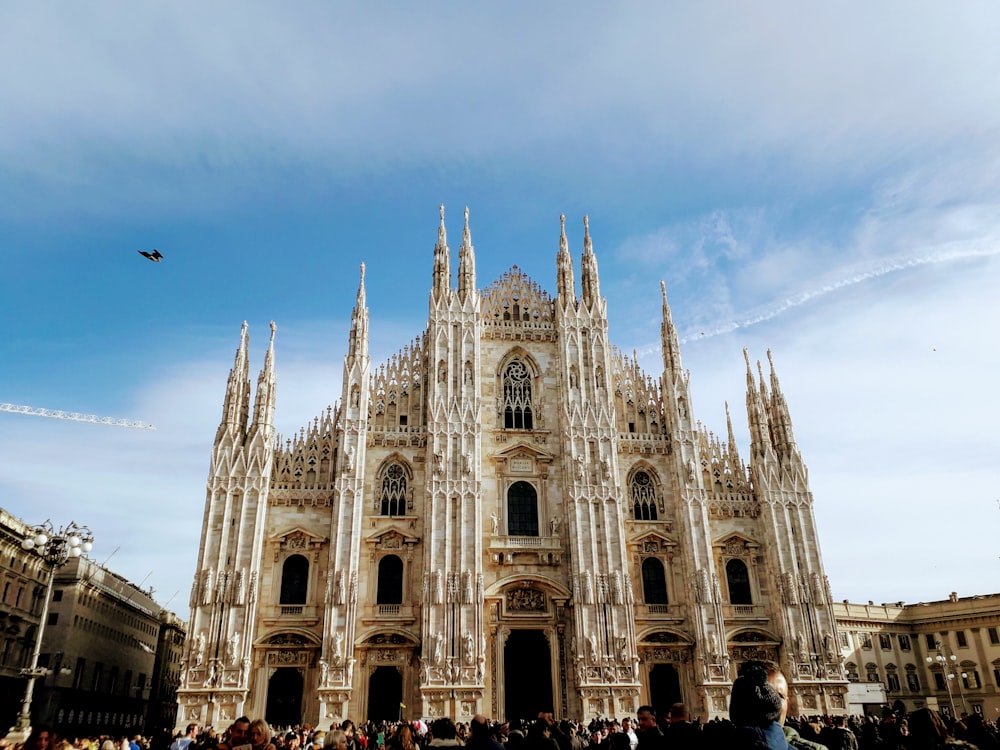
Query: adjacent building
{"x": 506, "y": 516}
{"x": 109, "y": 653}
{"x": 944, "y": 654}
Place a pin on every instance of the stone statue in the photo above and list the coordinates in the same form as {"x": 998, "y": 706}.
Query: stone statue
{"x": 324, "y": 673}
{"x": 554, "y": 526}
{"x": 469, "y": 647}
{"x": 495, "y": 519}
{"x": 438, "y": 648}
{"x": 199, "y": 649}
{"x": 232, "y": 648}
{"x": 338, "y": 648}
{"x": 592, "y": 649}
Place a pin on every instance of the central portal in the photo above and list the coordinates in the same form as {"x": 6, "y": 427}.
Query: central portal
{"x": 385, "y": 695}
{"x": 527, "y": 668}
{"x": 284, "y": 698}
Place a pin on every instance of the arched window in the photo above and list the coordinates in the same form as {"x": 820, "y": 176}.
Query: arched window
{"x": 643, "y": 497}
{"x": 294, "y": 580}
{"x": 517, "y": 397}
{"x": 390, "y": 580}
{"x": 654, "y": 582}
{"x": 522, "y": 510}
{"x": 739, "y": 582}
{"x": 393, "y": 491}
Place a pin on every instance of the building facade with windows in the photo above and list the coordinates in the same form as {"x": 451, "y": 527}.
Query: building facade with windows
{"x": 943, "y": 654}
{"x": 506, "y": 516}
{"x": 102, "y": 638}
{"x": 22, "y": 586}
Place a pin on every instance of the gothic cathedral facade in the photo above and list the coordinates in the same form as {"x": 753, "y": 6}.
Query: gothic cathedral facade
{"x": 507, "y": 516}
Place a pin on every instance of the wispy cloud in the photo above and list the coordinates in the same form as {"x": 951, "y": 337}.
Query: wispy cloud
{"x": 879, "y": 267}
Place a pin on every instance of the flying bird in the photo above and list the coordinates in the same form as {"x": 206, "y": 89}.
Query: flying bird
{"x": 154, "y": 256}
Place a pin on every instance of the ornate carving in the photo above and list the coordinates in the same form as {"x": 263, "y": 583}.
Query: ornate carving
{"x": 525, "y": 600}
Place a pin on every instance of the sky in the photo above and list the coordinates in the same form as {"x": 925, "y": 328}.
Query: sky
{"x": 820, "y": 180}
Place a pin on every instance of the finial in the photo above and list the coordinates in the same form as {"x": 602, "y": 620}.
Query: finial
{"x": 663, "y": 291}
{"x": 243, "y": 329}
{"x": 746, "y": 357}
{"x": 441, "y": 211}
{"x": 562, "y": 223}
{"x": 770, "y": 360}
{"x": 362, "y": 273}
{"x": 274, "y": 327}
{"x": 588, "y": 245}
{"x": 466, "y": 217}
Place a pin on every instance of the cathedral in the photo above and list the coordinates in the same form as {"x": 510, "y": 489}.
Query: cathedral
{"x": 507, "y": 516}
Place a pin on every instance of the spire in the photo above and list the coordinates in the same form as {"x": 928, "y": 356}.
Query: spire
{"x": 236, "y": 407}
{"x": 358, "y": 344}
{"x": 760, "y": 432}
{"x": 669, "y": 341}
{"x": 565, "y": 285}
{"x": 734, "y": 452}
{"x": 590, "y": 285}
{"x": 466, "y": 262}
{"x": 780, "y": 416}
{"x": 263, "y": 411}
{"x": 442, "y": 267}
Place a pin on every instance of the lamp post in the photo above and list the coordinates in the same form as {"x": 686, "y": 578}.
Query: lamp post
{"x": 949, "y": 667}
{"x": 55, "y": 547}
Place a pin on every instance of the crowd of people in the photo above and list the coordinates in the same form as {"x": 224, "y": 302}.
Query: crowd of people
{"x": 757, "y": 720}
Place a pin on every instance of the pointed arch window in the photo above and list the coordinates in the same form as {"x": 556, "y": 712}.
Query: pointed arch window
{"x": 654, "y": 582}
{"x": 522, "y": 510}
{"x": 643, "y": 494}
{"x": 390, "y": 580}
{"x": 294, "y": 580}
{"x": 517, "y": 408}
{"x": 392, "y": 493}
{"x": 738, "y": 579}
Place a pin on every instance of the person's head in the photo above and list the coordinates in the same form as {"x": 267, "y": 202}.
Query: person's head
{"x": 443, "y": 729}
{"x": 679, "y": 712}
{"x": 754, "y": 702}
{"x": 776, "y": 679}
{"x": 260, "y": 733}
{"x": 41, "y": 738}
{"x": 838, "y": 721}
{"x": 479, "y": 726}
{"x": 335, "y": 740}
{"x": 927, "y": 727}
{"x": 239, "y": 732}
{"x": 348, "y": 726}
{"x": 646, "y": 718}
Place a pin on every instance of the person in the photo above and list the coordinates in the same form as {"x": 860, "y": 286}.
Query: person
{"x": 839, "y": 737}
{"x": 237, "y": 735}
{"x": 335, "y": 740}
{"x": 481, "y": 735}
{"x": 181, "y": 743}
{"x": 628, "y": 731}
{"x": 928, "y": 732}
{"x": 260, "y": 735}
{"x": 680, "y": 732}
{"x": 348, "y": 728}
{"x": 41, "y": 738}
{"x": 754, "y": 710}
{"x": 444, "y": 733}
{"x": 649, "y": 734}
{"x": 776, "y": 678}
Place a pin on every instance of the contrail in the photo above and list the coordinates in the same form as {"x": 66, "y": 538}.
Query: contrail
{"x": 879, "y": 268}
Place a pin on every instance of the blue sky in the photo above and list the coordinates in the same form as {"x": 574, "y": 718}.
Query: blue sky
{"x": 820, "y": 180}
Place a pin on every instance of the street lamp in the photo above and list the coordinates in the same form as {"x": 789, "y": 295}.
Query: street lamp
{"x": 949, "y": 667}
{"x": 55, "y": 547}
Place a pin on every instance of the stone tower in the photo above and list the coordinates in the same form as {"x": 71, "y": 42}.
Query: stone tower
{"x": 506, "y": 516}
